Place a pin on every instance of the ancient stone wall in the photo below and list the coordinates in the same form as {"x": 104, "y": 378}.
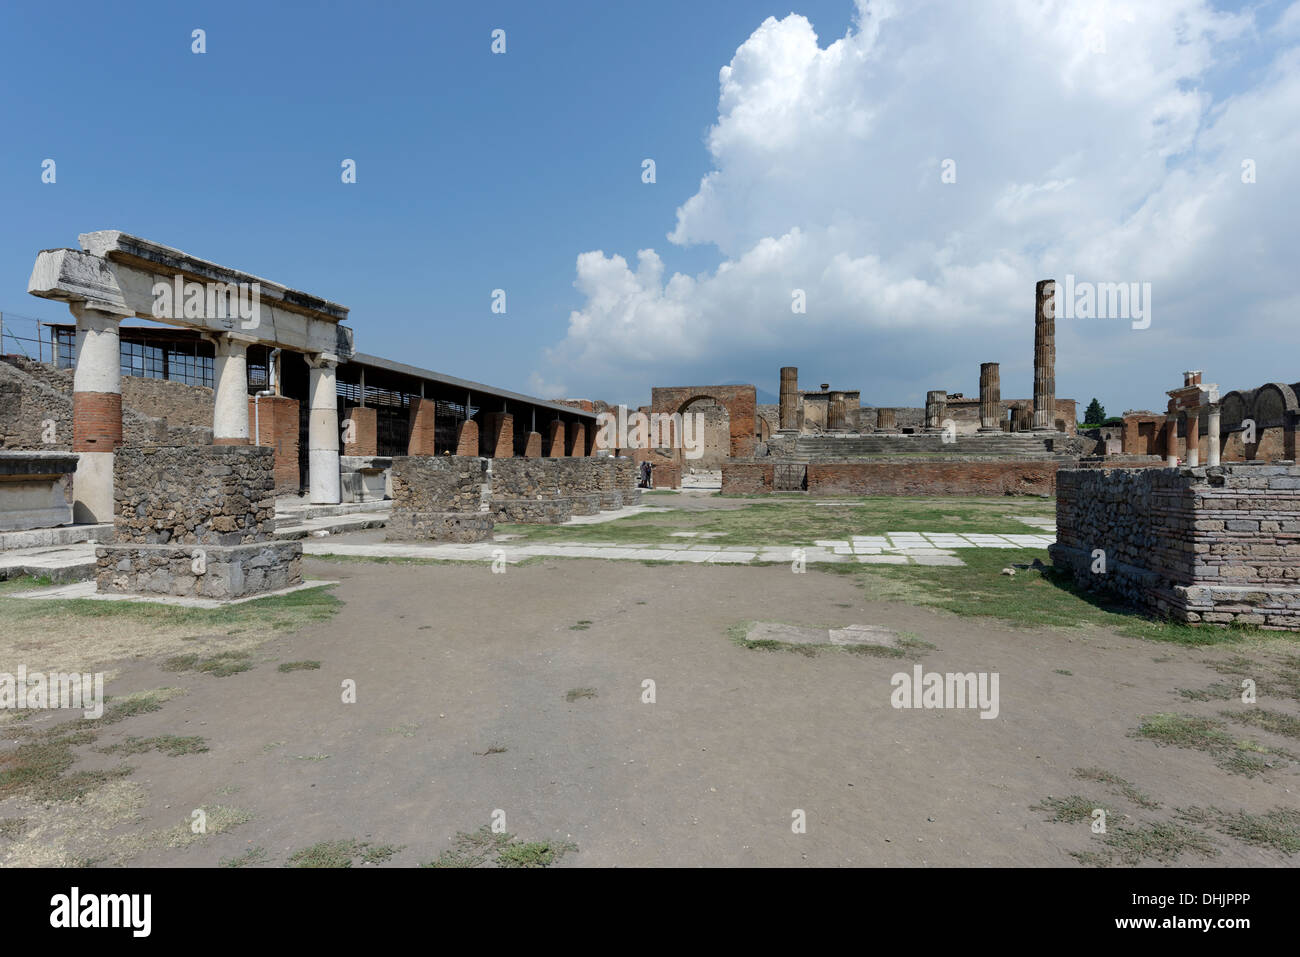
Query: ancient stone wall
{"x": 1217, "y": 544}
{"x": 183, "y": 495}
{"x": 34, "y": 395}
{"x": 444, "y": 483}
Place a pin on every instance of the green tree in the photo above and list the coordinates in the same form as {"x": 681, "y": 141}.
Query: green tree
{"x": 1096, "y": 413}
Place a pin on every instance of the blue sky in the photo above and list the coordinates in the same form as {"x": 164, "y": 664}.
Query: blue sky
{"x": 478, "y": 171}
{"x": 475, "y": 171}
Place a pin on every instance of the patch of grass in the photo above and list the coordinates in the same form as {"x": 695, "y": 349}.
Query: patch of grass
{"x": 38, "y": 768}
{"x": 533, "y": 853}
{"x": 1118, "y": 785}
{"x": 575, "y": 693}
{"x": 341, "y": 854}
{"x": 1036, "y": 597}
{"x": 1162, "y": 841}
{"x": 12, "y": 827}
{"x": 1278, "y": 829}
{"x": 493, "y": 749}
{"x": 796, "y": 521}
{"x": 288, "y": 666}
{"x": 1277, "y": 722}
{"x": 1063, "y": 671}
{"x": 580, "y": 626}
{"x": 166, "y": 743}
{"x": 1241, "y": 756}
{"x": 221, "y": 665}
{"x": 1217, "y": 691}
{"x": 254, "y": 855}
{"x": 77, "y": 629}
{"x": 1072, "y": 809}
{"x": 502, "y": 850}
{"x": 217, "y": 820}
{"x": 311, "y": 757}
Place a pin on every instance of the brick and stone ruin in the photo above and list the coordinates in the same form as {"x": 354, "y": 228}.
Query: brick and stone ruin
{"x": 455, "y": 498}
{"x": 1201, "y": 544}
{"x": 196, "y": 523}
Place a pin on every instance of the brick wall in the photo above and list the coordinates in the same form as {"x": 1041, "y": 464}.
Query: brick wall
{"x": 666, "y": 476}
{"x": 937, "y": 478}
{"x": 743, "y": 478}
{"x": 1214, "y": 545}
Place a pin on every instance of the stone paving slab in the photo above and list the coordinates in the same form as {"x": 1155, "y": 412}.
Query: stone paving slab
{"x": 87, "y": 590}
{"x": 800, "y": 635}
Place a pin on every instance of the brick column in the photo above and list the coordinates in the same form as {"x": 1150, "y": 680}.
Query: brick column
{"x": 364, "y": 432}
{"x": 789, "y": 407}
{"x": 498, "y": 435}
{"x": 577, "y": 441}
{"x": 422, "y": 418}
{"x": 936, "y": 407}
{"x": 230, "y": 391}
{"x": 533, "y": 447}
{"x": 323, "y": 430}
{"x": 96, "y": 413}
{"x": 990, "y": 397}
{"x": 555, "y": 440}
{"x": 1171, "y": 440}
{"x": 1045, "y": 356}
{"x": 467, "y": 438}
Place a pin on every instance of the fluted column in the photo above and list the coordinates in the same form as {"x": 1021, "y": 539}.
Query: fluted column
{"x": 1045, "y": 356}
{"x": 936, "y": 407}
{"x": 990, "y": 397}
{"x": 836, "y": 414}
{"x": 789, "y": 407}
{"x": 886, "y": 421}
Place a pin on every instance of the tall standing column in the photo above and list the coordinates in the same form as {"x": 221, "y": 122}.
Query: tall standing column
{"x": 230, "y": 387}
{"x": 936, "y": 406}
{"x": 1212, "y": 439}
{"x": 96, "y": 413}
{"x": 836, "y": 414}
{"x": 323, "y": 431}
{"x": 789, "y": 408}
{"x": 990, "y": 397}
{"x": 1045, "y": 356}
{"x": 1193, "y": 437}
{"x": 1171, "y": 440}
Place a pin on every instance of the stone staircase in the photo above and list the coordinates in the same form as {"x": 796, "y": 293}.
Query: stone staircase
{"x": 1000, "y": 445}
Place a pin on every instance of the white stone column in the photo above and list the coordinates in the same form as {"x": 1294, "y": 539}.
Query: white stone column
{"x": 1193, "y": 437}
{"x": 230, "y": 387}
{"x": 96, "y": 412}
{"x": 1212, "y": 450}
{"x": 323, "y": 431}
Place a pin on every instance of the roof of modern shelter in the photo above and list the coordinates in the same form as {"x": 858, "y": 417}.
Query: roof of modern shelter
{"x": 132, "y": 250}
{"x": 361, "y": 358}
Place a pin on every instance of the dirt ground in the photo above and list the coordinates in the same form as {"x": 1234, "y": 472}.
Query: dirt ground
{"x": 453, "y": 663}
